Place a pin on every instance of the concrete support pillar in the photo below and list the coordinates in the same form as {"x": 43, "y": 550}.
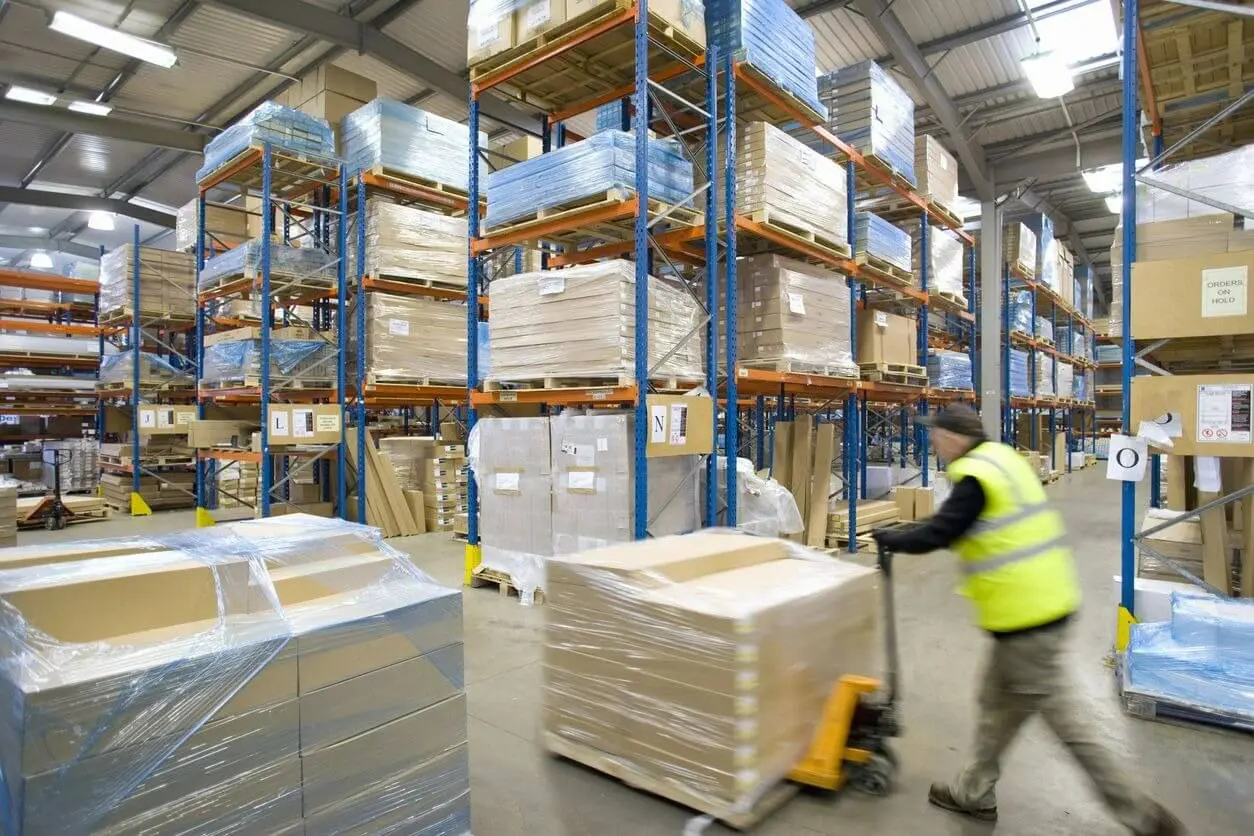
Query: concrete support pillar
{"x": 991, "y": 326}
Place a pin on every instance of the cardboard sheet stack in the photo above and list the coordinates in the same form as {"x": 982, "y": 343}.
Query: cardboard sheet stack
{"x": 780, "y": 179}
{"x": 772, "y": 38}
{"x": 163, "y": 442}
{"x": 949, "y": 369}
{"x": 432, "y": 474}
{"x": 565, "y": 484}
{"x": 1044, "y": 364}
{"x": 400, "y": 139}
{"x": 937, "y": 171}
{"x": 412, "y": 339}
{"x": 167, "y": 283}
{"x": 8, "y": 516}
{"x": 283, "y": 128}
{"x": 713, "y": 673}
{"x": 874, "y": 114}
{"x": 411, "y": 244}
{"x": 297, "y": 355}
{"x": 1019, "y": 247}
{"x": 225, "y": 225}
{"x": 331, "y": 93}
{"x": 154, "y": 372}
{"x": 303, "y": 266}
{"x": 879, "y": 239}
{"x": 80, "y": 464}
{"x": 580, "y": 322}
{"x": 160, "y": 686}
{"x": 591, "y": 169}
{"x": 794, "y": 313}
{"x": 944, "y": 260}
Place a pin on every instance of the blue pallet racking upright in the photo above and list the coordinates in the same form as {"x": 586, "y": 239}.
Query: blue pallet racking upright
{"x": 309, "y": 195}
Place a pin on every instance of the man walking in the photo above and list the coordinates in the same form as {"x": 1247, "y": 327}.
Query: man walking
{"x": 1019, "y": 574}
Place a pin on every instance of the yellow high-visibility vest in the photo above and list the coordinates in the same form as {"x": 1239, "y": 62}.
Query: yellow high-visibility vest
{"x": 1017, "y": 567}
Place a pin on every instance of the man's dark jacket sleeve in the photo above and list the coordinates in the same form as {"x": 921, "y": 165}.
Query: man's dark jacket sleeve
{"x": 955, "y": 517}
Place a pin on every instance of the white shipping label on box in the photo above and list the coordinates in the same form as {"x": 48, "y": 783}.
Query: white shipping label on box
{"x": 583, "y": 480}
{"x": 679, "y": 424}
{"x": 796, "y": 304}
{"x": 539, "y": 13}
{"x": 278, "y": 423}
{"x": 657, "y": 424}
{"x": 398, "y": 327}
{"x": 508, "y": 480}
{"x": 585, "y": 455}
{"x": 1225, "y": 291}
{"x": 1223, "y": 413}
{"x": 551, "y": 285}
{"x": 603, "y": 445}
{"x": 327, "y": 423}
{"x": 302, "y": 423}
{"x": 881, "y": 319}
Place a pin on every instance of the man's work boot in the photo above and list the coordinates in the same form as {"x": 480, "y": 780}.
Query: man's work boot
{"x": 1167, "y": 825}
{"x": 941, "y": 796}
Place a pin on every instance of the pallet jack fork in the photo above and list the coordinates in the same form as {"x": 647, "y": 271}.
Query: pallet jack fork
{"x": 52, "y": 510}
{"x": 859, "y": 718}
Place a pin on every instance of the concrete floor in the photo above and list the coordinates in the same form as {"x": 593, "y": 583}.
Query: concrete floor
{"x": 1203, "y": 775}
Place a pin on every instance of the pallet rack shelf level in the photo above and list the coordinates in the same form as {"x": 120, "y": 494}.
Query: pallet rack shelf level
{"x": 309, "y": 195}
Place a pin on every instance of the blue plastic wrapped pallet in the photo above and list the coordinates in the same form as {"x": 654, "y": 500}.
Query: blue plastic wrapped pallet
{"x": 1202, "y": 660}
{"x": 949, "y": 370}
{"x": 610, "y": 116}
{"x": 772, "y": 38}
{"x": 880, "y": 239}
{"x": 286, "y": 263}
{"x": 1020, "y": 383}
{"x": 290, "y": 360}
{"x": 1082, "y": 386}
{"x": 282, "y": 127}
{"x": 1073, "y": 341}
{"x": 1021, "y": 311}
{"x": 1044, "y": 329}
{"x": 873, "y": 114}
{"x": 1107, "y": 353}
{"x": 603, "y": 162}
{"x": 404, "y": 140}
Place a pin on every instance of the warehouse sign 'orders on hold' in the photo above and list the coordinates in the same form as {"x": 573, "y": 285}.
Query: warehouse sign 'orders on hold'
{"x": 1225, "y": 291}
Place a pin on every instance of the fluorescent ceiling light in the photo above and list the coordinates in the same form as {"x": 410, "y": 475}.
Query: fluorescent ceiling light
{"x": 102, "y": 221}
{"x": 94, "y": 108}
{"x": 26, "y": 94}
{"x": 94, "y": 33}
{"x": 1115, "y": 204}
{"x": 1049, "y": 75}
{"x": 41, "y": 261}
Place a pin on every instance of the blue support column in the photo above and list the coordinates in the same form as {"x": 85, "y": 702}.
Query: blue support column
{"x": 729, "y": 216}
{"x": 974, "y": 326}
{"x": 853, "y": 435}
{"x": 1007, "y": 418}
{"x": 711, "y": 283}
{"x": 199, "y": 356}
{"x": 862, "y": 448}
{"x": 925, "y": 238}
{"x": 267, "y": 310}
{"x": 341, "y": 323}
{"x": 360, "y": 371}
{"x": 904, "y": 443}
{"x": 137, "y": 345}
{"x": 1131, "y": 14}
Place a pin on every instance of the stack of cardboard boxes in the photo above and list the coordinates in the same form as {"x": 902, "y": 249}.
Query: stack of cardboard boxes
{"x": 167, "y": 284}
{"x": 331, "y": 93}
{"x": 937, "y": 171}
{"x": 432, "y": 474}
{"x": 163, "y": 447}
{"x": 886, "y": 339}
{"x": 410, "y": 339}
{"x": 8, "y": 516}
{"x": 697, "y": 666}
{"x": 168, "y": 692}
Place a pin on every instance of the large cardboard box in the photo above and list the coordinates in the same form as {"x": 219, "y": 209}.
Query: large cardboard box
{"x": 687, "y": 16}
{"x": 534, "y": 17}
{"x": 165, "y": 420}
{"x": 516, "y": 499}
{"x": 292, "y": 424}
{"x": 680, "y": 425}
{"x": 1205, "y": 296}
{"x": 1214, "y": 411}
{"x": 732, "y": 645}
{"x": 887, "y": 338}
{"x": 490, "y": 36}
{"x": 211, "y": 433}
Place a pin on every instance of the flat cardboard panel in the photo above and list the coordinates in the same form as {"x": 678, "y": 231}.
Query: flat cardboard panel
{"x": 537, "y": 16}
{"x": 1208, "y": 296}
{"x": 782, "y": 456}
{"x": 1154, "y": 395}
{"x": 1178, "y": 483}
{"x": 208, "y": 433}
{"x": 293, "y": 424}
{"x": 824, "y": 449}
{"x": 801, "y": 462}
{"x": 924, "y": 503}
{"x": 904, "y": 496}
{"x": 1214, "y": 549}
{"x": 680, "y": 425}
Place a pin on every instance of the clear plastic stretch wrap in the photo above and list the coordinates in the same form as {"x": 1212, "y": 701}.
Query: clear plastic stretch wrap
{"x": 293, "y": 674}
{"x": 1020, "y": 385}
{"x": 937, "y": 170}
{"x": 1108, "y": 353}
{"x": 949, "y": 369}
{"x": 790, "y": 310}
{"x": 307, "y": 264}
{"x": 405, "y": 242}
{"x": 581, "y": 322}
{"x": 780, "y": 178}
{"x": 291, "y": 360}
{"x": 700, "y": 664}
{"x": 944, "y": 259}
{"x": 1073, "y": 341}
{"x": 1083, "y": 386}
{"x": 1019, "y": 247}
{"x": 1201, "y": 659}
{"x": 1050, "y": 268}
{"x": 27, "y": 344}
{"x": 224, "y": 225}
{"x": 153, "y": 370}
{"x": 603, "y": 162}
{"x": 764, "y": 507}
{"x": 402, "y": 139}
{"x": 514, "y": 472}
{"x": 167, "y": 282}
{"x": 772, "y": 38}
{"x": 1044, "y": 374}
{"x": 609, "y": 116}
{"x": 1227, "y": 178}
{"x": 594, "y": 483}
{"x": 873, "y": 114}
{"x": 411, "y": 338}
{"x": 878, "y": 238}
{"x": 282, "y": 127}
{"x": 1044, "y": 329}
{"x": 1021, "y": 312}
{"x": 1066, "y": 379}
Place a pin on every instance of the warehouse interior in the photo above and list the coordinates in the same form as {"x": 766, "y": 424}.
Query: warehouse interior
{"x": 372, "y": 370}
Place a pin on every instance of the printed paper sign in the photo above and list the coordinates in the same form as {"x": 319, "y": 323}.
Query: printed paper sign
{"x": 398, "y": 327}
{"x": 302, "y": 423}
{"x": 603, "y": 445}
{"x": 185, "y": 417}
{"x": 1170, "y": 424}
{"x": 1225, "y": 291}
{"x": 165, "y": 419}
{"x": 1206, "y": 474}
{"x": 657, "y": 424}
{"x": 796, "y": 304}
{"x": 328, "y": 423}
{"x": 1127, "y": 458}
{"x": 147, "y": 419}
{"x": 881, "y": 319}
{"x": 507, "y": 481}
{"x": 552, "y": 285}
{"x": 1223, "y": 413}
{"x": 679, "y": 424}
{"x": 278, "y": 423}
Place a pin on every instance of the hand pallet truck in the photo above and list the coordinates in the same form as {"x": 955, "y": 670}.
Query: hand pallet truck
{"x": 52, "y": 510}
{"x": 860, "y": 717}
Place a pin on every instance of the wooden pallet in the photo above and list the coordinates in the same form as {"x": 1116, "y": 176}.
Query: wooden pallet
{"x": 283, "y": 286}
{"x": 789, "y": 366}
{"x": 483, "y": 576}
{"x": 1022, "y": 270}
{"x": 881, "y": 269}
{"x": 955, "y": 299}
{"x": 610, "y": 198}
{"x": 777, "y": 222}
{"x": 254, "y": 381}
{"x": 537, "y": 383}
{"x": 149, "y": 461}
{"x": 293, "y": 173}
{"x": 837, "y": 546}
{"x": 411, "y": 281}
{"x": 871, "y": 514}
{"x": 407, "y": 179}
{"x": 622, "y": 770}
{"x": 375, "y": 380}
{"x": 902, "y": 373}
